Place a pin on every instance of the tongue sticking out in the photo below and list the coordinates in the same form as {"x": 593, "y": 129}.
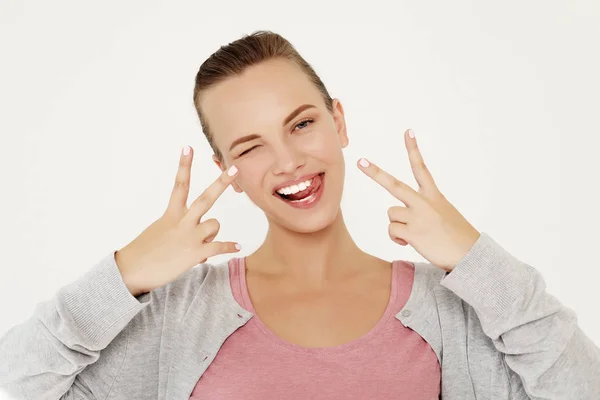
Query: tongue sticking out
{"x": 316, "y": 182}
{"x": 301, "y": 194}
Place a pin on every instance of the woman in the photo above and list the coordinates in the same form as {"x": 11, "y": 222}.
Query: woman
{"x": 308, "y": 314}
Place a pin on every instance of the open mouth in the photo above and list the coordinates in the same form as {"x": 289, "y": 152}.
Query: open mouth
{"x": 303, "y": 195}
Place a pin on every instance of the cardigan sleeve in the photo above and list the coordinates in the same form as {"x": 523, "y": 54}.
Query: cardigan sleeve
{"x": 41, "y": 357}
{"x": 539, "y": 337}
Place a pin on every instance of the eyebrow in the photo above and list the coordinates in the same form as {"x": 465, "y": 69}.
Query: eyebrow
{"x": 287, "y": 119}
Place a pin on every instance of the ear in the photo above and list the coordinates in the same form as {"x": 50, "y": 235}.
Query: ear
{"x": 234, "y": 184}
{"x": 340, "y": 122}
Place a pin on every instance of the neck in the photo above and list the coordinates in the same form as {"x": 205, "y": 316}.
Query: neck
{"x": 311, "y": 259}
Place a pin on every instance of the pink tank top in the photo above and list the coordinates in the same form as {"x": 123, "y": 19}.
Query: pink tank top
{"x": 389, "y": 362}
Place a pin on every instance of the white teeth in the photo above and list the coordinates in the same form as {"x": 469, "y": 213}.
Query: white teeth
{"x": 295, "y": 188}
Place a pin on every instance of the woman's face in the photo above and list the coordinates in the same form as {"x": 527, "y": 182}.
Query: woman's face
{"x": 272, "y": 123}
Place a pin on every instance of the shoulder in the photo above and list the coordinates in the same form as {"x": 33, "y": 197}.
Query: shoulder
{"x": 426, "y": 274}
{"x": 426, "y": 292}
{"x": 211, "y": 276}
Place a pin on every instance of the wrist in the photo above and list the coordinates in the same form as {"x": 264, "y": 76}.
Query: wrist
{"x": 124, "y": 277}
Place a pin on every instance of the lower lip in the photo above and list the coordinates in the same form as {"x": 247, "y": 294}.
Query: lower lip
{"x": 309, "y": 201}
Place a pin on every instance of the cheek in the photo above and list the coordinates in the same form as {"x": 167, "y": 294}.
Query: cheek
{"x": 323, "y": 146}
{"x": 252, "y": 174}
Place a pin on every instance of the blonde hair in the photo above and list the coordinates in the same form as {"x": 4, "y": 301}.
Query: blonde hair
{"x": 234, "y": 58}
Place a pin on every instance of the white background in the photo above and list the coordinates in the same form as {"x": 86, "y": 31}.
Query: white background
{"x": 96, "y": 103}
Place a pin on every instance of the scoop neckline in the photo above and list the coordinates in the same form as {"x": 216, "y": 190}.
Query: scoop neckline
{"x": 328, "y": 350}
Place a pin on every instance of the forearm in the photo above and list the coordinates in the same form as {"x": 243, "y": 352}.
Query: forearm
{"x": 539, "y": 336}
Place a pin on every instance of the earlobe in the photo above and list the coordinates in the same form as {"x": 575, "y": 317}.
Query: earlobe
{"x": 345, "y": 141}
{"x": 234, "y": 184}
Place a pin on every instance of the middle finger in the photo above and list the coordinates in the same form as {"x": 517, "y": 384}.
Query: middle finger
{"x": 205, "y": 201}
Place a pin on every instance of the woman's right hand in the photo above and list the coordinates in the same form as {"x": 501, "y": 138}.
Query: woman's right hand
{"x": 177, "y": 241}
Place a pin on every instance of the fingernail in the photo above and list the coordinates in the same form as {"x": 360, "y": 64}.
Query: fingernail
{"x": 363, "y": 162}
{"x": 411, "y": 133}
{"x": 186, "y": 150}
{"x": 232, "y": 170}
{"x": 238, "y": 246}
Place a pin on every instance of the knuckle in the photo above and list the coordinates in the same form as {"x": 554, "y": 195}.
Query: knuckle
{"x": 202, "y": 200}
{"x": 393, "y": 213}
{"x": 214, "y": 223}
{"x": 211, "y": 226}
{"x": 395, "y": 229}
{"x": 391, "y": 229}
{"x": 181, "y": 184}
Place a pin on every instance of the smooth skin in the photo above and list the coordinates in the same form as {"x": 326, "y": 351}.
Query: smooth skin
{"x": 178, "y": 240}
{"x": 346, "y": 309}
{"x": 428, "y": 221}
{"x": 309, "y": 282}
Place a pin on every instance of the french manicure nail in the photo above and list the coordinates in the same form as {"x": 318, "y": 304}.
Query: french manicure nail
{"x": 232, "y": 170}
{"x": 363, "y": 162}
{"x": 411, "y": 133}
{"x": 186, "y": 150}
{"x": 238, "y": 246}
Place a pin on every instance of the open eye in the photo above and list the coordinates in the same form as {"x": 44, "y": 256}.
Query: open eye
{"x": 304, "y": 123}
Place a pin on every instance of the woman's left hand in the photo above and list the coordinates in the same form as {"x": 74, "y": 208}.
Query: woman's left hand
{"x": 428, "y": 222}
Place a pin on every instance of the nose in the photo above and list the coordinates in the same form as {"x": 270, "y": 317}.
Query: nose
{"x": 287, "y": 159}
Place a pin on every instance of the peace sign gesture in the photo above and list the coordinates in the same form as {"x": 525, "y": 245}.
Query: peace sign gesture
{"x": 428, "y": 222}
{"x": 179, "y": 239}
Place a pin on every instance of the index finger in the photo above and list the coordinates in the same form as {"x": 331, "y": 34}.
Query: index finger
{"x": 420, "y": 170}
{"x": 179, "y": 195}
{"x": 205, "y": 201}
{"x": 395, "y": 187}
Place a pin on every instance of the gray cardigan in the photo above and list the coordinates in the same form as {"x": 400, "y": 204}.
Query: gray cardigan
{"x": 496, "y": 332}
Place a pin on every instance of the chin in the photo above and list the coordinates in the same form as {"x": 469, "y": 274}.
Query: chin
{"x": 314, "y": 223}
